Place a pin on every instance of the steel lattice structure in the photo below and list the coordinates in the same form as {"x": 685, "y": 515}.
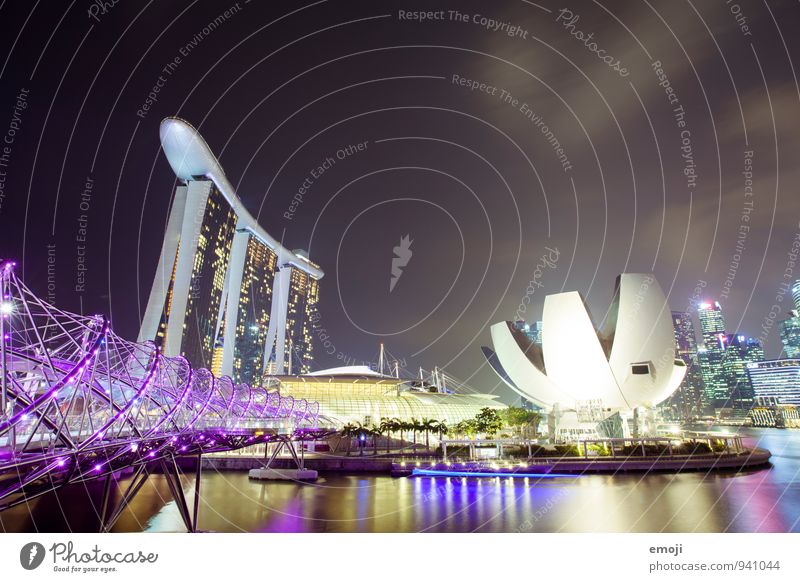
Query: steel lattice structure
{"x": 80, "y": 403}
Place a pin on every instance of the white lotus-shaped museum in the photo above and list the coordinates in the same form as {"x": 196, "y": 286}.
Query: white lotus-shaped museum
{"x": 628, "y": 363}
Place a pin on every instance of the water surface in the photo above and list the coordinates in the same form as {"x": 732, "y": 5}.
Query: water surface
{"x": 755, "y": 501}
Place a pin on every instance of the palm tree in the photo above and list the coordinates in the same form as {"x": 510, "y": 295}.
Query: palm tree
{"x": 443, "y": 429}
{"x": 385, "y": 427}
{"x": 405, "y": 427}
{"x": 389, "y": 426}
{"x": 416, "y": 426}
{"x": 375, "y": 431}
{"x": 362, "y": 433}
{"x": 399, "y": 427}
{"x": 428, "y": 424}
{"x": 396, "y": 426}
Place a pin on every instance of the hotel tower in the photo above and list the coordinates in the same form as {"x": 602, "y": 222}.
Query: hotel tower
{"x": 226, "y": 295}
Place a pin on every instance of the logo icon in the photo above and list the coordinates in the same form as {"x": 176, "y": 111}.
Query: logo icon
{"x": 402, "y": 254}
{"x": 31, "y": 555}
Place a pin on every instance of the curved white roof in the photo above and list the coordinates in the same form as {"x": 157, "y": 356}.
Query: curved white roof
{"x": 349, "y": 371}
{"x": 190, "y": 157}
{"x": 629, "y": 364}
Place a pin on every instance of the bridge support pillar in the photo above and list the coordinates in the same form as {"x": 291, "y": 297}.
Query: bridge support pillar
{"x": 197, "y": 473}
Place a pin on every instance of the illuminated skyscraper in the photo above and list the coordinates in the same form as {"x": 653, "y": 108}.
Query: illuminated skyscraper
{"x": 710, "y": 357}
{"x": 252, "y": 311}
{"x": 741, "y": 351}
{"x": 796, "y": 294}
{"x": 689, "y": 400}
{"x": 298, "y": 296}
{"x": 712, "y": 323}
{"x": 222, "y": 279}
{"x": 790, "y": 335}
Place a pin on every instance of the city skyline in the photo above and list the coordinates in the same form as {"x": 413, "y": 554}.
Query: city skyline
{"x": 490, "y": 156}
{"x": 343, "y": 266}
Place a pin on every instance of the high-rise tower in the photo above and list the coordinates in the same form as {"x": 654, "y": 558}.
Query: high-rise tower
{"x": 796, "y": 294}
{"x": 790, "y": 335}
{"x": 689, "y": 400}
{"x": 222, "y": 278}
{"x": 741, "y": 351}
{"x": 710, "y": 357}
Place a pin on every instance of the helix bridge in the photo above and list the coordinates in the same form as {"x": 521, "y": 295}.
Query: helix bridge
{"x": 80, "y": 404}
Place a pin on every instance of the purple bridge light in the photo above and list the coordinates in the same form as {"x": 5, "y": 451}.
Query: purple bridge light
{"x": 79, "y": 403}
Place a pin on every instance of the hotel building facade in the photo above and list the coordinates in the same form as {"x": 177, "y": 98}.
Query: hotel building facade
{"x": 226, "y": 294}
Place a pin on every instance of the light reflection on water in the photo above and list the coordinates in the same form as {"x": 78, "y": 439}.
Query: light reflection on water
{"x": 759, "y": 501}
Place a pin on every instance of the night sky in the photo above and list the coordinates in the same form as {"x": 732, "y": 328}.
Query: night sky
{"x": 607, "y": 137}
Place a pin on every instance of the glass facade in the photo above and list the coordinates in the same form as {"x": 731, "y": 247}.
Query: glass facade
{"x": 790, "y": 335}
{"x": 740, "y": 352}
{"x": 203, "y": 325}
{"x": 255, "y": 301}
{"x": 302, "y": 311}
{"x": 796, "y": 294}
{"x": 689, "y": 400}
{"x": 208, "y": 280}
{"x": 776, "y": 379}
{"x": 367, "y": 400}
{"x": 236, "y": 299}
{"x": 712, "y": 328}
{"x": 712, "y": 323}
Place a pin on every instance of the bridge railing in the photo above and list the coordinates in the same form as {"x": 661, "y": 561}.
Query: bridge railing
{"x": 70, "y": 384}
